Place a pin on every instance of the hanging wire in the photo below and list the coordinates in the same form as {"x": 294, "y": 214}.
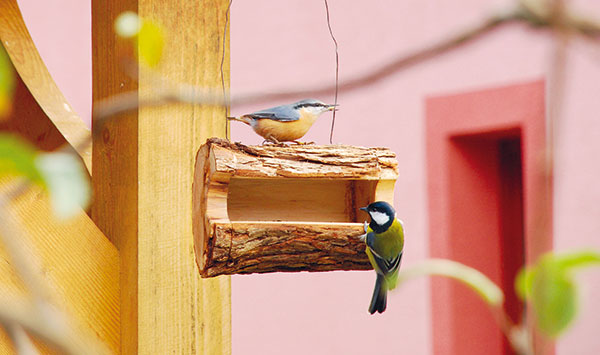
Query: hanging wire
{"x": 225, "y": 96}
{"x": 337, "y": 70}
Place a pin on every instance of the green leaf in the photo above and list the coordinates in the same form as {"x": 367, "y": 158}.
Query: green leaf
{"x": 7, "y": 83}
{"x": 550, "y": 287}
{"x": 67, "y": 182}
{"x": 523, "y": 283}
{"x": 150, "y": 43}
{"x": 578, "y": 259}
{"x": 148, "y": 36}
{"x": 61, "y": 174}
{"x": 17, "y": 158}
{"x": 554, "y": 297}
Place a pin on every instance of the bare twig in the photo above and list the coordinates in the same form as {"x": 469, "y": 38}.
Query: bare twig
{"x": 42, "y": 319}
{"x": 556, "y": 83}
{"x": 20, "y": 339}
{"x": 474, "y": 279}
{"x": 548, "y": 13}
{"x": 517, "y": 335}
{"x": 533, "y": 12}
{"x": 563, "y": 26}
{"x": 337, "y": 71}
{"x": 192, "y": 95}
{"x": 14, "y": 313}
{"x": 225, "y": 92}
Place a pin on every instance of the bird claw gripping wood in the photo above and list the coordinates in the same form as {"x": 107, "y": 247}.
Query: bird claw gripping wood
{"x": 362, "y": 237}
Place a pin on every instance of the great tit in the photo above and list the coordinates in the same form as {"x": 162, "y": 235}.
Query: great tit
{"x": 385, "y": 243}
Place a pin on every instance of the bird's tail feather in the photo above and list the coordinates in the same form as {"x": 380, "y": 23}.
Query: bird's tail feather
{"x": 379, "y": 299}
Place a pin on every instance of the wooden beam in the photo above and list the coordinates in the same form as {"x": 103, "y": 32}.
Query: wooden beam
{"x": 41, "y": 113}
{"x": 143, "y": 172}
{"x": 80, "y": 266}
{"x": 114, "y": 177}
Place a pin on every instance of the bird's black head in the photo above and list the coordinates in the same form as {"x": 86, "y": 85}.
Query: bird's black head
{"x": 382, "y": 215}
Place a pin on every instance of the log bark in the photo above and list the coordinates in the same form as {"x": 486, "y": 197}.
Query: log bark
{"x": 244, "y": 248}
{"x": 303, "y": 161}
{"x": 261, "y": 209}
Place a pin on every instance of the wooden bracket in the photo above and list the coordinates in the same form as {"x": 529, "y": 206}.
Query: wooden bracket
{"x": 260, "y": 209}
{"x": 41, "y": 114}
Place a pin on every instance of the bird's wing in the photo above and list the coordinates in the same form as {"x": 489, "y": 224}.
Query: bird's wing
{"x": 395, "y": 262}
{"x": 283, "y": 113}
{"x": 381, "y": 262}
{"x": 385, "y": 265}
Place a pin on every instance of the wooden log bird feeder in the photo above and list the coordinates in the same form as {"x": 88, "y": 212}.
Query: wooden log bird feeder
{"x": 260, "y": 209}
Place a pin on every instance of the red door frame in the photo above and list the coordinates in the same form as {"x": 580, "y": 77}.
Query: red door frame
{"x": 515, "y": 111}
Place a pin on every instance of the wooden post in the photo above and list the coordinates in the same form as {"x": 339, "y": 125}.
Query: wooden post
{"x": 142, "y": 175}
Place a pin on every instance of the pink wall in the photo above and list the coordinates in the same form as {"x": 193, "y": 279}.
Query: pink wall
{"x": 61, "y": 30}
{"x": 482, "y": 204}
{"x": 281, "y": 44}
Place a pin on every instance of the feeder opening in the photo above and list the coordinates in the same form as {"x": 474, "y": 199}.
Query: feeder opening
{"x": 298, "y": 200}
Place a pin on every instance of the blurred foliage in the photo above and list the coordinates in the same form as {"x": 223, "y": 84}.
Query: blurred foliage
{"x": 150, "y": 43}
{"x": 548, "y": 285}
{"x": 551, "y": 289}
{"x": 147, "y": 35}
{"x": 472, "y": 278}
{"x": 17, "y": 158}
{"x": 66, "y": 180}
{"x": 61, "y": 174}
{"x": 127, "y": 24}
{"x": 7, "y": 83}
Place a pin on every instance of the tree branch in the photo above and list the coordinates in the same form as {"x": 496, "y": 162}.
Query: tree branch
{"x": 20, "y": 339}
{"x": 536, "y": 13}
{"x": 42, "y": 319}
{"x": 183, "y": 93}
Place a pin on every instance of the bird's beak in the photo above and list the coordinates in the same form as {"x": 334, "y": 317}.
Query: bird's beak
{"x": 364, "y": 209}
{"x": 332, "y": 107}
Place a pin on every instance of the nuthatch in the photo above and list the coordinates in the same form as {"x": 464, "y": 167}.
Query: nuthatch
{"x": 286, "y": 122}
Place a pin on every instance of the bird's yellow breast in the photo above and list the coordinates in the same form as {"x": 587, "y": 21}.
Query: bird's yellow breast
{"x": 391, "y": 242}
{"x": 285, "y": 130}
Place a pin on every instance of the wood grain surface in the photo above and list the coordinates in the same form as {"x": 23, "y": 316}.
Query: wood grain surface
{"x": 79, "y": 264}
{"x": 143, "y": 172}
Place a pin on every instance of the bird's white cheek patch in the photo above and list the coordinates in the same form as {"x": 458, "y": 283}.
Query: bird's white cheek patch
{"x": 380, "y": 218}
